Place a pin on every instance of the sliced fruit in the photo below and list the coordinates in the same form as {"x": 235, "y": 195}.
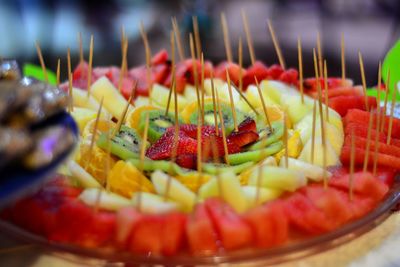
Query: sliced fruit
{"x": 193, "y": 180}
{"x": 256, "y": 155}
{"x": 267, "y": 136}
{"x": 158, "y": 123}
{"x": 245, "y": 175}
{"x": 277, "y": 178}
{"x": 146, "y": 235}
{"x": 103, "y": 199}
{"x": 332, "y": 159}
{"x": 152, "y": 165}
{"x": 275, "y": 90}
{"x": 173, "y": 233}
{"x": 294, "y": 147}
{"x": 159, "y": 94}
{"x": 150, "y": 203}
{"x": 84, "y": 178}
{"x": 133, "y": 117}
{"x": 127, "y": 218}
{"x": 125, "y": 179}
{"x": 83, "y": 100}
{"x": 253, "y": 97}
{"x": 103, "y": 125}
{"x": 260, "y": 196}
{"x": 213, "y": 168}
{"x": 176, "y": 190}
{"x": 114, "y": 102}
{"x": 82, "y": 116}
{"x": 311, "y": 171}
{"x": 343, "y": 103}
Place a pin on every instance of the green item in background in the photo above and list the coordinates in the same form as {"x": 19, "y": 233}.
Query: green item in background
{"x": 34, "y": 71}
{"x": 392, "y": 63}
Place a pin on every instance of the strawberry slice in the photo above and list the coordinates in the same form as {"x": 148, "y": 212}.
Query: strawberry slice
{"x": 274, "y": 72}
{"x": 191, "y": 130}
{"x": 257, "y": 70}
{"x": 233, "y": 70}
{"x": 289, "y": 76}
{"x": 163, "y": 147}
{"x": 242, "y": 138}
{"x": 209, "y": 141}
{"x": 248, "y": 125}
{"x": 160, "y": 58}
{"x": 187, "y": 160}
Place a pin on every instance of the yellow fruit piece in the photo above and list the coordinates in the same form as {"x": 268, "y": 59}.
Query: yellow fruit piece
{"x": 294, "y": 147}
{"x": 83, "y": 100}
{"x": 113, "y": 99}
{"x": 254, "y": 97}
{"x": 244, "y": 176}
{"x": 133, "y": 118}
{"x": 160, "y": 94}
{"x": 192, "y": 108}
{"x": 94, "y": 163}
{"x": 193, "y": 180}
{"x": 102, "y": 126}
{"x": 103, "y": 199}
{"x": 125, "y": 179}
{"x": 82, "y": 116}
{"x": 257, "y": 196}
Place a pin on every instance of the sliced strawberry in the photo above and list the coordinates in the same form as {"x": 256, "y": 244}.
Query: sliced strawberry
{"x": 209, "y": 141}
{"x": 242, "y": 138}
{"x": 163, "y": 147}
{"x": 274, "y": 72}
{"x": 257, "y": 70}
{"x": 187, "y": 160}
{"x": 191, "y": 130}
{"x": 248, "y": 125}
{"x": 233, "y": 231}
{"x": 289, "y": 76}
{"x": 139, "y": 74}
{"x": 160, "y": 58}
{"x": 233, "y": 70}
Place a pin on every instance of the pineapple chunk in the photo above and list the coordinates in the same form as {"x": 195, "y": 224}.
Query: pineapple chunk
{"x": 254, "y": 98}
{"x": 177, "y": 191}
{"x": 332, "y": 159}
{"x": 277, "y": 178}
{"x": 114, "y": 102}
{"x": 82, "y": 116}
{"x": 153, "y": 204}
{"x": 310, "y": 171}
{"x": 264, "y": 194}
{"x": 227, "y": 185}
{"x": 159, "y": 95}
{"x": 84, "y": 178}
{"x": 103, "y": 199}
{"x": 83, "y": 100}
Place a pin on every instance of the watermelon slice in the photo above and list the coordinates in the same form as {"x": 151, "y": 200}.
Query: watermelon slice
{"x": 231, "y": 228}
{"x": 333, "y": 83}
{"x": 146, "y": 236}
{"x": 343, "y": 103}
{"x": 340, "y": 91}
{"x": 361, "y": 143}
{"x": 269, "y": 224}
{"x": 173, "y": 233}
{"x": 361, "y": 130}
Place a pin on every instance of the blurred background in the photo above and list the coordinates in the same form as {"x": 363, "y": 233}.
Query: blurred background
{"x": 369, "y": 26}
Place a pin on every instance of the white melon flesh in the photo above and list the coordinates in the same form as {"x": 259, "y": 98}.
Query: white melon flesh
{"x": 103, "y": 199}
{"x": 295, "y": 108}
{"x": 218, "y": 83}
{"x": 311, "y": 171}
{"x": 264, "y": 194}
{"x": 82, "y": 176}
{"x": 332, "y": 158}
{"x": 190, "y": 93}
{"x": 153, "y": 204}
{"x": 114, "y": 102}
{"x": 177, "y": 191}
{"x": 277, "y": 178}
{"x": 228, "y": 185}
{"x": 254, "y": 97}
{"x": 275, "y": 89}
{"x": 160, "y": 94}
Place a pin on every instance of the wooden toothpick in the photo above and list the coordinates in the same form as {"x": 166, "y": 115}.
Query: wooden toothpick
{"x": 240, "y": 59}
{"x": 172, "y": 43}
{"x": 92, "y": 140}
{"x": 366, "y": 157}
{"x": 352, "y": 158}
{"x": 197, "y": 39}
{"x": 227, "y": 42}
{"x": 214, "y": 104}
{"x": 202, "y": 87}
{"x": 378, "y": 121}
{"x": 121, "y": 120}
{"x": 364, "y": 83}
{"x": 71, "y": 105}
{"x": 58, "y": 71}
{"x": 285, "y": 140}
{"x": 123, "y": 67}
{"x": 326, "y": 91}
{"x": 300, "y": 59}
{"x": 221, "y": 119}
{"x": 195, "y": 73}
{"x": 148, "y": 60}
{"x": 343, "y": 58}
{"x": 141, "y": 160}
{"x": 248, "y": 37}
{"x": 320, "y": 58}
{"x": 390, "y": 127}
{"x": 276, "y": 45}
{"x": 40, "y": 56}
{"x": 313, "y": 130}
{"x": 231, "y": 101}
{"x": 175, "y": 27}
{"x": 89, "y": 81}
{"x": 81, "y": 58}
{"x": 263, "y": 103}
{"x": 383, "y": 120}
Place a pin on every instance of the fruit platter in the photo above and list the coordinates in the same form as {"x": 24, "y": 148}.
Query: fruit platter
{"x": 182, "y": 161}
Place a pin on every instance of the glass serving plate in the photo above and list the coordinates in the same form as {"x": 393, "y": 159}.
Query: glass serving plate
{"x": 295, "y": 249}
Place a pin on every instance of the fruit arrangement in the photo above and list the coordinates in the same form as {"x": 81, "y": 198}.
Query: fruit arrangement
{"x": 186, "y": 157}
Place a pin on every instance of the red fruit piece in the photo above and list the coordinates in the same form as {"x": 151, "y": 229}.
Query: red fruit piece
{"x": 173, "y": 233}
{"x": 248, "y": 125}
{"x": 146, "y": 236}
{"x": 258, "y": 70}
{"x": 330, "y": 202}
{"x": 160, "y": 58}
{"x": 274, "y": 72}
{"x": 188, "y": 161}
{"x": 343, "y": 103}
{"x": 304, "y": 216}
{"x": 364, "y": 184}
{"x": 386, "y": 175}
{"x": 163, "y": 147}
{"x": 359, "y": 205}
{"x": 383, "y": 148}
{"x": 139, "y": 74}
{"x": 242, "y": 138}
{"x": 289, "y": 76}
{"x": 201, "y": 236}
{"x": 269, "y": 224}
{"x": 231, "y": 228}
{"x": 233, "y": 70}
{"x": 80, "y": 75}
{"x": 127, "y": 218}
{"x": 333, "y": 83}
{"x": 209, "y": 141}
{"x": 340, "y": 91}
{"x": 191, "y": 130}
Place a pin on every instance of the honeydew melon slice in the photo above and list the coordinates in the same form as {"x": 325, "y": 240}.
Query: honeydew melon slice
{"x": 332, "y": 158}
{"x": 103, "y": 199}
{"x": 310, "y": 171}
{"x": 153, "y": 204}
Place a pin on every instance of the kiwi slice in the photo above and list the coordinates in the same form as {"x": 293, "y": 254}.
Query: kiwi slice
{"x": 256, "y": 155}
{"x": 226, "y": 115}
{"x": 213, "y": 169}
{"x": 268, "y": 136}
{"x": 125, "y": 144}
{"x": 158, "y": 123}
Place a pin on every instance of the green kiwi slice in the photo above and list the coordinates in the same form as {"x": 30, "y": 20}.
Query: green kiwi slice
{"x": 158, "y": 123}
{"x": 268, "y": 136}
{"x": 226, "y": 115}
{"x": 212, "y": 168}
{"x": 125, "y": 144}
{"x": 256, "y": 155}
